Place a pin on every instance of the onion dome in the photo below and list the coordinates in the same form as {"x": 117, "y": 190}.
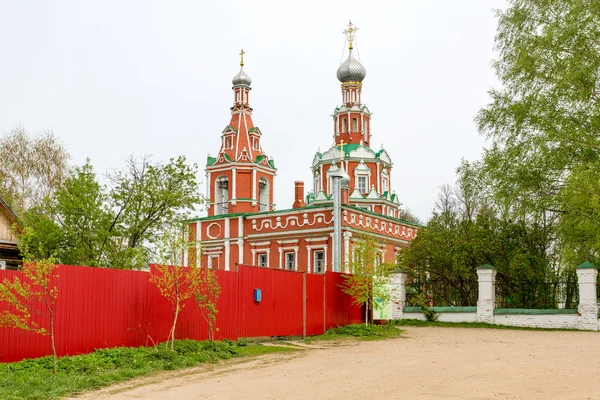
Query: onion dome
{"x": 241, "y": 78}
{"x": 351, "y": 70}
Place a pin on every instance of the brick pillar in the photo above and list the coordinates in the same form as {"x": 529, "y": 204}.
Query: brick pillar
{"x": 486, "y": 276}
{"x": 587, "y": 312}
{"x": 398, "y": 286}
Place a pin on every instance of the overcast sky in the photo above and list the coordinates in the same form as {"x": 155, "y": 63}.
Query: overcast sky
{"x": 113, "y": 78}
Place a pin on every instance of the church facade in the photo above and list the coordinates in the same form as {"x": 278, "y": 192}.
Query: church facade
{"x": 243, "y": 227}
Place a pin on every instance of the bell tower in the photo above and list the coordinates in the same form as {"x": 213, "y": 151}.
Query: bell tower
{"x": 351, "y": 120}
{"x": 241, "y": 177}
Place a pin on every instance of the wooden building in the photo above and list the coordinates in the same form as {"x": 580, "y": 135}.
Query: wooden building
{"x": 10, "y": 229}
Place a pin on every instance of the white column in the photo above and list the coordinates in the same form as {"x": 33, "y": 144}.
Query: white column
{"x": 347, "y": 235}
{"x": 253, "y": 257}
{"x": 234, "y": 179}
{"x": 587, "y": 313}
{"x": 268, "y": 258}
{"x": 226, "y": 244}
{"x": 296, "y": 258}
{"x": 280, "y": 257}
{"x": 240, "y": 244}
{"x": 254, "y": 184}
{"x": 208, "y": 186}
{"x": 308, "y": 248}
{"x": 486, "y": 276}
{"x": 398, "y": 286}
{"x": 325, "y": 260}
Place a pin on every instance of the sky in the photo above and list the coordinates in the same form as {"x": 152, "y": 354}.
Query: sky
{"x": 115, "y": 78}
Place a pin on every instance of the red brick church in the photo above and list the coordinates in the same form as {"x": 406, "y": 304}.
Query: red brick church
{"x": 243, "y": 226}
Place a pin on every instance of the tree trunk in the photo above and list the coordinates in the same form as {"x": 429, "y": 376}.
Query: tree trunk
{"x": 366, "y": 313}
{"x": 52, "y": 341}
{"x": 174, "y": 325}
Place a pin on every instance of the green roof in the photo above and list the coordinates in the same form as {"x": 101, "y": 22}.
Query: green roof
{"x": 259, "y": 158}
{"x": 230, "y": 127}
{"x": 210, "y": 161}
{"x": 272, "y": 164}
{"x": 349, "y": 147}
{"x": 254, "y": 129}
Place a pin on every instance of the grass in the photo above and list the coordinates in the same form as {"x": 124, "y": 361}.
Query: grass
{"x": 33, "y": 379}
{"x": 419, "y": 323}
{"x": 359, "y": 331}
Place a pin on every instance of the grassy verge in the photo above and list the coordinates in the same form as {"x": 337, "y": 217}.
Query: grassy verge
{"x": 33, "y": 379}
{"x": 417, "y": 322}
{"x": 359, "y": 331}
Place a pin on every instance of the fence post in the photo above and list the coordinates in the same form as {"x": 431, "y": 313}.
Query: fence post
{"x": 587, "y": 313}
{"x": 486, "y": 276}
{"x": 398, "y": 286}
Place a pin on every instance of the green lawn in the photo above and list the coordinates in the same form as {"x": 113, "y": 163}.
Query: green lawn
{"x": 33, "y": 379}
{"x": 359, "y": 331}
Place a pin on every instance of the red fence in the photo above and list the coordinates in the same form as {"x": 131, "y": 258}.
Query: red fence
{"x": 98, "y": 308}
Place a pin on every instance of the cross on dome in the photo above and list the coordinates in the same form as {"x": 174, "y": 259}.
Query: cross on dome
{"x": 350, "y": 31}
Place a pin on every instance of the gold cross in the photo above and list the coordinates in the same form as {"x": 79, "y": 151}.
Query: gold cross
{"x": 342, "y": 150}
{"x": 350, "y": 32}
{"x": 242, "y": 55}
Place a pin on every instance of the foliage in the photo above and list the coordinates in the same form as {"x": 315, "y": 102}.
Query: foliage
{"x": 206, "y": 298}
{"x": 33, "y": 379}
{"x": 369, "y": 276}
{"x": 84, "y": 224}
{"x": 543, "y": 160}
{"x": 31, "y": 168}
{"x": 465, "y": 232}
{"x": 422, "y": 301}
{"x": 34, "y": 295}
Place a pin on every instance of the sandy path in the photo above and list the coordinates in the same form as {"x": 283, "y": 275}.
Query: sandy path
{"x": 427, "y": 363}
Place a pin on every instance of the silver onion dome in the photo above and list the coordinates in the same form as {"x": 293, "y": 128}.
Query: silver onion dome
{"x": 351, "y": 70}
{"x": 241, "y": 78}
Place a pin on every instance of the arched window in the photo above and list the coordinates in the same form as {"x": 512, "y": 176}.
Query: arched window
{"x": 366, "y": 125}
{"x": 354, "y": 124}
{"x": 263, "y": 195}
{"x": 344, "y": 126}
{"x": 221, "y": 195}
{"x": 316, "y": 184}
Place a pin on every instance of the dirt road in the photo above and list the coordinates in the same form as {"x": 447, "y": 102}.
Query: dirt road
{"x": 426, "y": 363}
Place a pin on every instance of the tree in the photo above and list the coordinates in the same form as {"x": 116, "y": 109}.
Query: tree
{"x": 150, "y": 197}
{"x": 407, "y": 215}
{"x": 31, "y": 168}
{"x": 369, "y": 276}
{"x": 83, "y": 224}
{"x": 543, "y": 122}
{"x": 206, "y": 299}
{"x": 178, "y": 283}
{"x": 35, "y": 294}
{"x": 74, "y": 225}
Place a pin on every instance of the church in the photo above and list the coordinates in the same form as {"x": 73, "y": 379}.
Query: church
{"x": 350, "y": 194}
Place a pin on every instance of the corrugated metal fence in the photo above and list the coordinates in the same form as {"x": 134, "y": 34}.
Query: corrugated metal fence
{"x": 98, "y": 308}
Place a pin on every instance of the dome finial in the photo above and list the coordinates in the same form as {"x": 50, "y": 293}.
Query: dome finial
{"x": 350, "y": 31}
{"x": 351, "y": 70}
{"x": 241, "y": 78}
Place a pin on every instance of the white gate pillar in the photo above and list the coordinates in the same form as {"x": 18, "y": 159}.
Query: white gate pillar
{"x": 398, "y": 292}
{"x": 486, "y": 276}
{"x": 587, "y": 312}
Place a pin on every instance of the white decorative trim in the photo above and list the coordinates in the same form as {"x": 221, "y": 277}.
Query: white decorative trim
{"x": 289, "y": 233}
{"x": 291, "y": 221}
{"x": 208, "y": 230}
{"x": 319, "y": 239}
{"x": 290, "y": 241}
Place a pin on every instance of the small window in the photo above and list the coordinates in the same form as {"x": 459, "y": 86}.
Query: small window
{"x": 362, "y": 184}
{"x": 366, "y": 125}
{"x": 213, "y": 262}
{"x": 290, "y": 261}
{"x": 228, "y": 142}
{"x": 319, "y": 261}
{"x": 384, "y": 182}
{"x": 354, "y": 124}
{"x": 255, "y": 144}
{"x": 262, "y": 260}
{"x": 344, "y": 126}
{"x": 2, "y": 265}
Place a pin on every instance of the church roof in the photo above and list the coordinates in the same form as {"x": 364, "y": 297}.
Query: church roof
{"x": 6, "y": 210}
